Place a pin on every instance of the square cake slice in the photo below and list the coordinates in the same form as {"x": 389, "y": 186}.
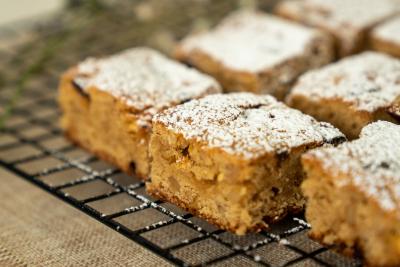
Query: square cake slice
{"x": 234, "y": 159}
{"x": 351, "y": 93}
{"x": 256, "y": 52}
{"x": 353, "y": 194}
{"x": 386, "y": 37}
{"x": 349, "y": 21}
{"x": 108, "y": 103}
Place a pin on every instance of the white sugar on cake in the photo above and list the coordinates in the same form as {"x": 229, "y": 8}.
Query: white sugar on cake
{"x": 145, "y": 80}
{"x": 372, "y": 163}
{"x": 352, "y": 13}
{"x": 389, "y": 31}
{"x": 367, "y": 82}
{"x": 246, "y": 124}
{"x": 252, "y": 42}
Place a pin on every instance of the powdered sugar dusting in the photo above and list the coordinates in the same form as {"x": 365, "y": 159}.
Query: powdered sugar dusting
{"x": 346, "y": 19}
{"x": 246, "y": 124}
{"x": 145, "y": 80}
{"x": 368, "y": 81}
{"x": 252, "y": 41}
{"x": 372, "y": 163}
{"x": 389, "y": 31}
{"x": 340, "y": 13}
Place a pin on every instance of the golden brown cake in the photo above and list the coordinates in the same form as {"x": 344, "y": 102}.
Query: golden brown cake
{"x": 234, "y": 159}
{"x": 353, "y": 194}
{"x": 349, "y": 21}
{"x": 256, "y": 52}
{"x": 108, "y": 103}
{"x": 386, "y": 37}
{"x": 351, "y": 93}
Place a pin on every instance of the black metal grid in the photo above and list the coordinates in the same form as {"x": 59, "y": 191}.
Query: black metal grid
{"x": 101, "y": 191}
{"x": 32, "y": 146}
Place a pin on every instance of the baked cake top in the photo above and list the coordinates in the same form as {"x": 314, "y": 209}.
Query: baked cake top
{"x": 367, "y": 82}
{"x": 247, "y": 125}
{"x": 389, "y": 31}
{"x": 145, "y": 80}
{"x": 336, "y": 14}
{"x": 251, "y": 41}
{"x": 371, "y": 163}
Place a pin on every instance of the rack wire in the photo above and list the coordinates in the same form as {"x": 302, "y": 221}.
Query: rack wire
{"x": 33, "y": 147}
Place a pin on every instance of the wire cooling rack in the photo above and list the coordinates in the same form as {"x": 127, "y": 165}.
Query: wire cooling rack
{"x": 33, "y": 147}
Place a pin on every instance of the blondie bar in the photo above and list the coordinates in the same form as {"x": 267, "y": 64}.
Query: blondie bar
{"x": 386, "y": 37}
{"x": 352, "y": 92}
{"x": 234, "y": 159}
{"x": 108, "y": 103}
{"x": 349, "y": 21}
{"x": 353, "y": 194}
{"x": 256, "y": 52}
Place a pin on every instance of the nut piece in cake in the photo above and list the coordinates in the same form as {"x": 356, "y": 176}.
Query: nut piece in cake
{"x": 349, "y": 21}
{"x": 256, "y": 52}
{"x": 351, "y": 93}
{"x": 386, "y": 37}
{"x": 108, "y": 103}
{"x": 234, "y": 159}
{"x": 353, "y": 194}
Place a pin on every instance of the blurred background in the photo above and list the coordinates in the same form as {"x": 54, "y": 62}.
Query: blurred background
{"x": 15, "y": 11}
{"x": 42, "y": 38}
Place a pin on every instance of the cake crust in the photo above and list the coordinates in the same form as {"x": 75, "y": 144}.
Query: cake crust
{"x": 234, "y": 159}
{"x": 108, "y": 103}
{"x": 353, "y": 194}
{"x": 351, "y": 93}
{"x": 279, "y": 51}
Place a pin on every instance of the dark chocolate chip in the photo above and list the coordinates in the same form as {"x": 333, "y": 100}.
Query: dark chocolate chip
{"x": 394, "y": 112}
{"x": 132, "y": 167}
{"x": 275, "y": 190}
{"x": 374, "y": 89}
{"x": 367, "y": 166}
{"x": 251, "y": 106}
{"x": 188, "y": 64}
{"x": 336, "y": 140}
{"x": 185, "y": 100}
{"x": 185, "y": 151}
{"x": 281, "y": 156}
{"x": 79, "y": 89}
{"x": 385, "y": 165}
